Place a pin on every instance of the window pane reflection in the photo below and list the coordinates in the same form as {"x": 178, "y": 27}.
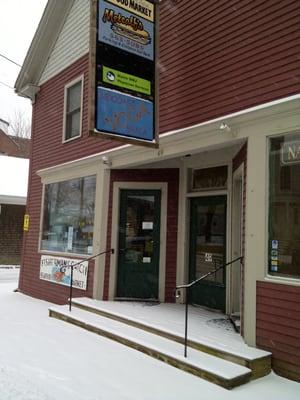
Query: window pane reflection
{"x": 69, "y": 216}
{"x": 139, "y": 228}
{"x": 284, "y": 206}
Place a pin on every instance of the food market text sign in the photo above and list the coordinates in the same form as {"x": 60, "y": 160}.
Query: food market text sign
{"x": 58, "y": 270}
{"x": 143, "y": 8}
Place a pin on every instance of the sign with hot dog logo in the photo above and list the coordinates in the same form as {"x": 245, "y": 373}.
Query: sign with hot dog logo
{"x": 126, "y": 31}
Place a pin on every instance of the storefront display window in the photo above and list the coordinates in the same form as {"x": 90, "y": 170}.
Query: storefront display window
{"x": 68, "y": 220}
{"x": 284, "y": 206}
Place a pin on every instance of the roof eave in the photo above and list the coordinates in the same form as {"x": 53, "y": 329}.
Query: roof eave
{"x": 13, "y": 200}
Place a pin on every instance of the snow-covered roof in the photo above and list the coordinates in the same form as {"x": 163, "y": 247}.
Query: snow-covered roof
{"x": 13, "y": 180}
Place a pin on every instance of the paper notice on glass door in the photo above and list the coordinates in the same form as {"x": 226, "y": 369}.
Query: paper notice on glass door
{"x": 147, "y": 225}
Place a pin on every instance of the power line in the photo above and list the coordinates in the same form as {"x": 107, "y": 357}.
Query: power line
{"x": 12, "y": 61}
{"x": 5, "y": 84}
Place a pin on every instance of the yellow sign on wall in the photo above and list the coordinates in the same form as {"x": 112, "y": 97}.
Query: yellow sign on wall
{"x": 26, "y": 223}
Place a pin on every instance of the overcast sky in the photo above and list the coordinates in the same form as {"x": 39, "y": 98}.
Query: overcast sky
{"x": 18, "y": 22}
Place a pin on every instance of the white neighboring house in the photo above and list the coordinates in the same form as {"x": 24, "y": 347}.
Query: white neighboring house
{"x": 13, "y": 195}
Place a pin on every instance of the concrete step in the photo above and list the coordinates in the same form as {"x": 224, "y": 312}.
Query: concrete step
{"x": 258, "y": 361}
{"x": 206, "y": 366}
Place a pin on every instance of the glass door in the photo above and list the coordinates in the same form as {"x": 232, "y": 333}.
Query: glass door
{"x": 139, "y": 244}
{"x": 208, "y": 250}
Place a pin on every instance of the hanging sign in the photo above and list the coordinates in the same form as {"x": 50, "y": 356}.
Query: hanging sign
{"x": 124, "y": 88}
{"x": 58, "y": 270}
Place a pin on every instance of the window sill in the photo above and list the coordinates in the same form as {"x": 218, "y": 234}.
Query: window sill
{"x": 71, "y": 139}
{"x": 62, "y": 254}
{"x": 282, "y": 280}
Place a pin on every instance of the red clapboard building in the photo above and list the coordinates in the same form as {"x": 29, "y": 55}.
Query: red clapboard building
{"x": 223, "y": 183}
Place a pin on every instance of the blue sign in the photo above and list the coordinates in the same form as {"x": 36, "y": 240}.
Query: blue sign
{"x": 125, "y": 31}
{"x": 124, "y": 115}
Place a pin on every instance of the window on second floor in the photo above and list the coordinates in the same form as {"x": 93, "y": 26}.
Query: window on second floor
{"x": 73, "y": 109}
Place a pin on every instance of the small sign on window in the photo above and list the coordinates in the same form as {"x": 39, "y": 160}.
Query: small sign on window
{"x": 208, "y": 257}
{"x": 290, "y": 152}
{"x": 147, "y": 225}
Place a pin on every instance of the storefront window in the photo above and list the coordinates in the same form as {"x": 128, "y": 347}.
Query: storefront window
{"x": 68, "y": 220}
{"x": 284, "y": 206}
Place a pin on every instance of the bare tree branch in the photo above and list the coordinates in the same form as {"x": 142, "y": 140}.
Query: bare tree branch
{"x": 19, "y": 125}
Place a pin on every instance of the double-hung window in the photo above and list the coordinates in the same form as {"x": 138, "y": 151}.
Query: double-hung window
{"x": 73, "y": 109}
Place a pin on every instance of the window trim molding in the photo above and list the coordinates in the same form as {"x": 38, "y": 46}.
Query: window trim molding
{"x": 61, "y": 178}
{"x": 113, "y": 275}
{"x": 268, "y": 277}
{"x": 80, "y": 78}
{"x": 61, "y": 253}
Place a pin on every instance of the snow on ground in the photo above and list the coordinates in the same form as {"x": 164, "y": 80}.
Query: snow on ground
{"x": 45, "y": 359}
{"x": 9, "y": 273}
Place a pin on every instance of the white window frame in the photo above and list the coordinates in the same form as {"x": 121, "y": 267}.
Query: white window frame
{"x": 274, "y": 278}
{"x": 57, "y": 252}
{"x": 67, "y": 87}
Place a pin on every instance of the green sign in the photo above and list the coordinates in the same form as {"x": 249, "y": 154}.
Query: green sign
{"x": 126, "y": 81}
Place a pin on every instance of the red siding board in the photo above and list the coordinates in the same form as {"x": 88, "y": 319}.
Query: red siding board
{"x": 280, "y": 312}
{"x": 278, "y": 325}
{"x": 279, "y": 320}
{"x": 283, "y": 346}
{"x": 222, "y": 45}
{"x": 279, "y": 294}
{"x": 278, "y": 303}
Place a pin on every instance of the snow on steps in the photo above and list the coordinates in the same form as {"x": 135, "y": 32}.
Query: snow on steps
{"x": 206, "y": 366}
{"x": 258, "y": 361}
